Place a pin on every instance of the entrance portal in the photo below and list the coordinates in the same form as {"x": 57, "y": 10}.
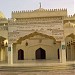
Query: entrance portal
{"x": 20, "y": 54}
{"x": 40, "y": 54}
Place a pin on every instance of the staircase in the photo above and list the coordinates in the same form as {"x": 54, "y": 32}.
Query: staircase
{"x": 36, "y": 68}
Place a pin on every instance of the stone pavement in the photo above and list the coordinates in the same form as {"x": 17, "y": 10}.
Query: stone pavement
{"x": 53, "y": 72}
{"x": 39, "y": 69}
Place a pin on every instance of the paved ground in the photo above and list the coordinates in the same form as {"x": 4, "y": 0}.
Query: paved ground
{"x": 52, "y": 72}
{"x": 38, "y": 70}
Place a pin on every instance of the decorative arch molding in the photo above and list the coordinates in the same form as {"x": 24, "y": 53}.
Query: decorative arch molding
{"x": 72, "y": 35}
{"x": 70, "y": 46}
{"x": 33, "y": 34}
{"x": 2, "y": 38}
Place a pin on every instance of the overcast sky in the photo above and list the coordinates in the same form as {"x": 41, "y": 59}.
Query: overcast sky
{"x": 7, "y": 6}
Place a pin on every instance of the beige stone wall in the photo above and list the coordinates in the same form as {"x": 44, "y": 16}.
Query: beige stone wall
{"x": 4, "y": 33}
{"x": 69, "y": 33}
{"x": 29, "y": 51}
{"x": 3, "y": 54}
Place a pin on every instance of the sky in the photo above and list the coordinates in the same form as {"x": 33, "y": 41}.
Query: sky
{"x": 7, "y": 6}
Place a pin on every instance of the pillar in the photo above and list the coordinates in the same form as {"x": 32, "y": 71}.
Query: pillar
{"x": 10, "y": 53}
{"x": 72, "y": 52}
{"x": 60, "y": 55}
{"x": 63, "y": 52}
{"x": 2, "y": 54}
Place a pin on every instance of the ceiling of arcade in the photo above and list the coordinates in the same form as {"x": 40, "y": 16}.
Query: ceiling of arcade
{"x": 70, "y": 39}
{"x": 2, "y": 39}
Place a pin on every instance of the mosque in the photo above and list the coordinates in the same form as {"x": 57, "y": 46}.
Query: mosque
{"x": 37, "y": 35}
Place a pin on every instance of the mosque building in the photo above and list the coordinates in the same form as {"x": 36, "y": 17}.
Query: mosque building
{"x": 40, "y": 34}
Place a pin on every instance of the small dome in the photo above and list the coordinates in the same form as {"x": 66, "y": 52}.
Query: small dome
{"x": 40, "y": 9}
{"x": 69, "y": 24}
{"x": 1, "y": 15}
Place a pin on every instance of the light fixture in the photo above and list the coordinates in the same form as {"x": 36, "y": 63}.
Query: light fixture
{"x": 5, "y": 43}
{"x": 26, "y": 43}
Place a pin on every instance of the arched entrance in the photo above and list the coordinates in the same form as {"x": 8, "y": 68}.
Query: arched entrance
{"x": 70, "y": 47}
{"x": 40, "y": 54}
{"x": 20, "y": 54}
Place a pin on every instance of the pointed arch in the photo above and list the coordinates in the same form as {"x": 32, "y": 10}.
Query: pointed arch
{"x": 33, "y": 34}
{"x": 40, "y": 53}
{"x": 20, "y": 54}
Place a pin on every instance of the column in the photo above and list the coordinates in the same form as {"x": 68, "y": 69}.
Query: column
{"x": 10, "y": 53}
{"x": 2, "y": 54}
{"x": 63, "y": 52}
{"x": 72, "y": 52}
{"x": 60, "y": 55}
{"x": 69, "y": 51}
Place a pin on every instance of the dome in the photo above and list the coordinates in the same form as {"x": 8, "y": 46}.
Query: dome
{"x": 40, "y": 9}
{"x": 1, "y": 15}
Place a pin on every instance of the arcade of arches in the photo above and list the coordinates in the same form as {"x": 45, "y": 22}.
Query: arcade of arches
{"x": 3, "y": 49}
{"x": 46, "y": 49}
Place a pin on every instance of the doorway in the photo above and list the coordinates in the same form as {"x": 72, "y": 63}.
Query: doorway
{"x": 40, "y": 54}
{"x": 20, "y": 54}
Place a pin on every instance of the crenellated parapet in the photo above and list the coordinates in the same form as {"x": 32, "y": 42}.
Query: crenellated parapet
{"x": 40, "y": 9}
{"x": 3, "y": 21}
{"x": 70, "y": 18}
{"x": 39, "y": 13}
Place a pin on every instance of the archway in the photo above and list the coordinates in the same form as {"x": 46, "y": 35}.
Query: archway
{"x": 70, "y": 50}
{"x": 40, "y": 54}
{"x": 20, "y": 54}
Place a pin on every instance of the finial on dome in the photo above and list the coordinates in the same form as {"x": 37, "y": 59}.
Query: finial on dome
{"x": 40, "y": 4}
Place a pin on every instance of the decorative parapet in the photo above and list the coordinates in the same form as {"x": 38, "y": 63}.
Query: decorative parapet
{"x": 3, "y": 27}
{"x": 69, "y": 25}
{"x": 3, "y": 20}
{"x": 70, "y": 17}
{"x": 39, "y": 13}
{"x": 40, "y": 9}
{"x": 35, "y": 21}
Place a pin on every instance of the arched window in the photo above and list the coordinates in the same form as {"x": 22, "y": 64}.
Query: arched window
{"x": 20, "y": 54}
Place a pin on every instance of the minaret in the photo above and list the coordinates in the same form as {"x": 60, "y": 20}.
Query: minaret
{"x": 40, "y": 4}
